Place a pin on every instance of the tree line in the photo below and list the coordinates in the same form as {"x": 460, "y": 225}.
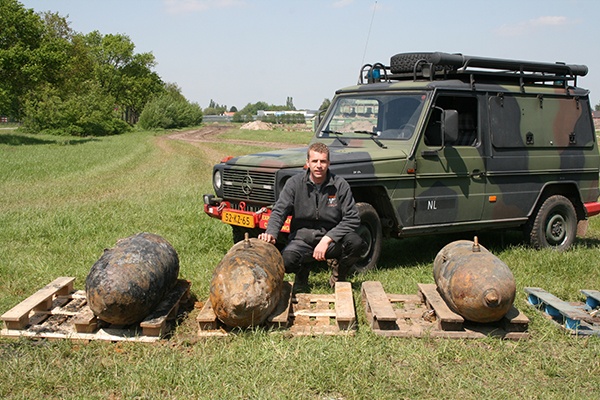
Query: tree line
{"x": 56, "y": 80}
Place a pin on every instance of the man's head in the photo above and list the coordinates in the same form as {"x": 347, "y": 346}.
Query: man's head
{"x": 317, "y": 161}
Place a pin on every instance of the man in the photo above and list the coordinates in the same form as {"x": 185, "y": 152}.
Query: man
{"x": 324, "y": 220}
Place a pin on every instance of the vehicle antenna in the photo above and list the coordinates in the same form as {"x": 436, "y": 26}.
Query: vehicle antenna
{"x": 369, "y": 33}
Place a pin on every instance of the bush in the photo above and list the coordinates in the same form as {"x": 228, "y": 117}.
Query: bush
{"x": 241, "y": 117}
{"x": 89, "y": 112}
{"x": 168, "y": 111}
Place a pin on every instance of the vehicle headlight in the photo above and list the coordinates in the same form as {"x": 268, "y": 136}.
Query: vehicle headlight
{"x": 217, "y": 180}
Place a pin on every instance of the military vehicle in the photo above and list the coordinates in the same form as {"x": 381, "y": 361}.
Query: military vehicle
{"x": 438, "y": 142}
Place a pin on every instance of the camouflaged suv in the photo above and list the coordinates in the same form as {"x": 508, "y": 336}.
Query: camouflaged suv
{"x": 439, "y": 142}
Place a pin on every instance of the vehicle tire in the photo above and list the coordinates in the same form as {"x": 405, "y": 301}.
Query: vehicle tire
{"x": 405, "y": 62}
{"x": 554, "y": 225}
{"x": 370, "y": 231}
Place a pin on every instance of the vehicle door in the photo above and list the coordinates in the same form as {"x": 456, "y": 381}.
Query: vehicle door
{"x": 450, "y": 171}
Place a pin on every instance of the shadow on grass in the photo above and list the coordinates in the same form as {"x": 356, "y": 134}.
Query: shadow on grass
{"x": 423, "y": 249}
{"x": 23, "y": 140}
{"x": 588, "y": 243}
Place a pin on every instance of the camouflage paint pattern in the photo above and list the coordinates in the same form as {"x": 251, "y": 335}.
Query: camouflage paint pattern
{"x": 531, "y": 141}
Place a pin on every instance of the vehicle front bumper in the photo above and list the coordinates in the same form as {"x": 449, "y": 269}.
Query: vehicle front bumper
{"x": 239, "y": 216}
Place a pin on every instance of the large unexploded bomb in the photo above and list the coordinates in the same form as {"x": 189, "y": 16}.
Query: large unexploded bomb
{"x": 130, "y": 279}
{"x": 473, "y": 282}
{"x": 247, "y": 284}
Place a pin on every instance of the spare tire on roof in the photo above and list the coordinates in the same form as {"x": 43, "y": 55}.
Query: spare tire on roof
{"x": 405, "y": 62}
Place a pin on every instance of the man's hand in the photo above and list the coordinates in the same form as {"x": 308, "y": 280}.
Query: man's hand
{"x": 267, "y": 237}
{"x": 321, "y": 249}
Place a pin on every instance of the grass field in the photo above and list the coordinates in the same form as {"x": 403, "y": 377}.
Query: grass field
{"x": 64, "y": 200}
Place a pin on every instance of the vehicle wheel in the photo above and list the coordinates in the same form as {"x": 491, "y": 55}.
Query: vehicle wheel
{"x": 370, "y": 231}
{"x": 405, "y": 62}
{"x": 239, "y": 233}
{"x": 554, "y": 225}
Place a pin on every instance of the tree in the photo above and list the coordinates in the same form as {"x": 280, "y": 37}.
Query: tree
{"x": 22, "y": 61}
{"x": 325, "y": 105}
{"x": 123, "y": 74}
{"x": 289, "y": 104}
{"x": 214, "y": 108}
{"x": 170, "y": 110}
{"x": 88, "y": 111}
{"x": 252, "y": 109}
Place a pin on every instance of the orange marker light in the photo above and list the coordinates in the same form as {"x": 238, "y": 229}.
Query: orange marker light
{"x": 492, "y": 199}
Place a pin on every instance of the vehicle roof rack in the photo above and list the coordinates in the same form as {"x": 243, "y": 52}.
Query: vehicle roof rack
{"x": 437, "y": 65}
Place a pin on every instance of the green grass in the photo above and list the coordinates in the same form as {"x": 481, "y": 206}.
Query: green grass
{"x": 275, "y": 136}
{"x": 63, "y": 201}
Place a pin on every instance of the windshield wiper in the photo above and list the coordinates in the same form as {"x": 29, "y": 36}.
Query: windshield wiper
{"x": 337, "y": 135}
{"x": 372, "y": 136}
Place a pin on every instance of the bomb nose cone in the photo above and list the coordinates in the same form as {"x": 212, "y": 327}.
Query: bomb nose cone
{"x": 491, "y": 298}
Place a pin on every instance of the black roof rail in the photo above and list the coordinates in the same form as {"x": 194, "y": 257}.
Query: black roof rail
{"x": 463, "y": 62}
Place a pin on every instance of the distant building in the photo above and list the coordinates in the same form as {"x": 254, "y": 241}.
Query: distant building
{"x": 308, "y": 114}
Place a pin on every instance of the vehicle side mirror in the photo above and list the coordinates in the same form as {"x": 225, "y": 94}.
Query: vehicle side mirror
{"x": 318, "y": 119}
{"x": 450, "y": 125}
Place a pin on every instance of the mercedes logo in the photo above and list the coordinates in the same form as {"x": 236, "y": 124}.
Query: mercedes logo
{"x": 247, "y": 185}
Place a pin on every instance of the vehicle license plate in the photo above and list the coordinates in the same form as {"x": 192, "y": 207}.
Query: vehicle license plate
{"x": 235, "y": 218}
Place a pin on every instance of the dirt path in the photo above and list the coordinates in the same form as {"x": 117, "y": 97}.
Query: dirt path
{"x": 209, "y": 134}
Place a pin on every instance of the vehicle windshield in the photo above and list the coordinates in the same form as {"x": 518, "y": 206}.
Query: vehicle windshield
{"x": 385, "y": 116}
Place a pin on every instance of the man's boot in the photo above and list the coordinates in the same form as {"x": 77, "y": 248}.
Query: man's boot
{"x": 301, "y": 281}
{"x": 338, "y": 272}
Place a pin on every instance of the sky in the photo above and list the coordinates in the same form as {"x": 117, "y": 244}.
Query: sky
{"x": 236, "y": 52}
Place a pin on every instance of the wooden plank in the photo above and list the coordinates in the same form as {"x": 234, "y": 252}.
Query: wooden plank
{"x": 69, "y": 317}
{"x": 315, "y": 312}
{"x": 301, "y": 302}
{"x": 419, "y": 319}
{"x": 18, "y": 316}
{"x": 379, "y": 309}
{"x": 592, "y": 298}
{"x": 514, "y": 321}
{"x": 539, "y": 295}
{"x": 280, "y": 317}
{"x": 308, "y": 330}
{"x": 155, "y": 324}
{"x": 326, "y": 314}
{"x": 344, "y": 303}
{"x": 85, "y": 321}
{"x": 404, "y": 298}
{"x": 207, "y": 319}
{"x": 447, "y": 319}
{"x": 111, "y": 335}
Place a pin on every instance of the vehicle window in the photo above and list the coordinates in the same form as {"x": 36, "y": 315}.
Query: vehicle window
{"x": 385, "y": 116}
{"x": 467, "y": 121}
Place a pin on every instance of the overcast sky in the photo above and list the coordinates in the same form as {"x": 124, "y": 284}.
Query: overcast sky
{"x": 237, "y": 52}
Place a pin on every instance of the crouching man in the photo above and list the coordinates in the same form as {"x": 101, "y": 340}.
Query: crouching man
{"x": 324, "y": 220}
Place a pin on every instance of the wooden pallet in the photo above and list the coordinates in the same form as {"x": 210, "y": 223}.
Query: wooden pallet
{"x": 426, "y": 314}
{"x": 57, "y": 311}
{"x": 302, "y": 314}
{"x": 576, "y": 318}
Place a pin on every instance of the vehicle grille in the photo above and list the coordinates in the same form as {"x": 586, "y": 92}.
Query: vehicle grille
{"x": 250, "y": 186}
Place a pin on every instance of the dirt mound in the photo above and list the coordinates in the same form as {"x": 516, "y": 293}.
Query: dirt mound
{"x": 257, "y": 126}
